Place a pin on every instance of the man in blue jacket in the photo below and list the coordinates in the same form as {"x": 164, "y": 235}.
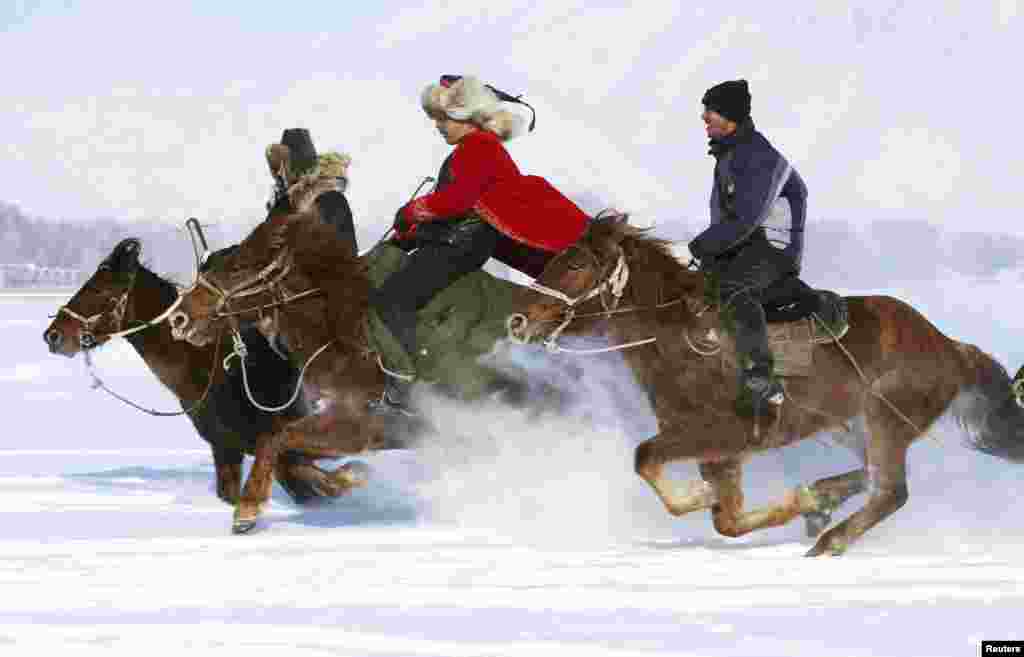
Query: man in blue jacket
{"x": 758, "y": 207}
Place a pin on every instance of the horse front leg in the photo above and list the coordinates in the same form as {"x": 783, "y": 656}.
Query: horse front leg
{"x": 730, "y": 519}
{"x": 228, "y": 464}
{"x": 305, "y": 481}
{"x": 257, "y": 487}
{"x": 679, "y": 497}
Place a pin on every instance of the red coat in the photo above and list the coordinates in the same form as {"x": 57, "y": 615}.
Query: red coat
{"x": 485, "y": 180}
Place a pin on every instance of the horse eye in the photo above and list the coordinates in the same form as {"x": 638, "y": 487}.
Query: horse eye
{"x": 575, "y": 265}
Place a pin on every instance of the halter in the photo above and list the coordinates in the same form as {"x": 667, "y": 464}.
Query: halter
{"x": 88, "y": 337}
{"x": 269, "y": 279}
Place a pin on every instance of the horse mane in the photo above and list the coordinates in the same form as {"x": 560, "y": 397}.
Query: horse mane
{"x": 320, "y": 255}
{"x": 656, "y": 271}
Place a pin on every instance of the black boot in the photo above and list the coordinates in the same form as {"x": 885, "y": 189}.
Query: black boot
{"x": 759, "y": 386}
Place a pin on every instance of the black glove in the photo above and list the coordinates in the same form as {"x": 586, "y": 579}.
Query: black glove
{"x": 707, "y": 259}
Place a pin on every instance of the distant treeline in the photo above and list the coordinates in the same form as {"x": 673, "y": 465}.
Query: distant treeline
{"x": 46, "y": 242}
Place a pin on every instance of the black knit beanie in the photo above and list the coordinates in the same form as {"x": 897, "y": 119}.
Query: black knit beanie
{"x": 731, "y": 99}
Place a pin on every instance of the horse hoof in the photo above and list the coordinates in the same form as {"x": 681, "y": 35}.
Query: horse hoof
{"x": 816, "y": 522}
{"x": 243, "y": 526}
{"x": 354, "y": 473}
{"x": 827, "y": 546}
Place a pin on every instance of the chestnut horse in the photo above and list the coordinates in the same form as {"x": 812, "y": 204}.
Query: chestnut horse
{"x": 313, "y": 293}
{"x": 123, "y": 294}
{"x": 879, "y": 388}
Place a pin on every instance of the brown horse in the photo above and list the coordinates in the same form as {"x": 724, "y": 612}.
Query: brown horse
{"x": 123, "y": 294}
{"x": 313, "y": 293}
{"x": 878, "y": 389}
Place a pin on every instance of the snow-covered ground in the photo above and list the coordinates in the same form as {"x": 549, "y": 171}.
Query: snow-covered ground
{"x": 518, "y": 541}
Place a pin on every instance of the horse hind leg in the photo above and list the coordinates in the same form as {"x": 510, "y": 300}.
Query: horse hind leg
{"x": 890, "y": 437}
{"x": 827, "y": 495}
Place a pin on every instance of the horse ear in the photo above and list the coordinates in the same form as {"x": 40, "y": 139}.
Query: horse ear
{"x": 606, "y": 228}
{"x": 125, "y": 256}
{"x": 128, "y": 252}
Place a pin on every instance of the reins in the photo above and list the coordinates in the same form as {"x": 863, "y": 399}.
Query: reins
{"x": 98, "y": 383}
{"x": 241, "y": 351}
{"x": 269, "y": 280}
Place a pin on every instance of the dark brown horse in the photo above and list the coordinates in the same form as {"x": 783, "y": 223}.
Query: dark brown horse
{"x": 878, "y": 389}
{"x": 313, "y": 293}
{"x": 123, "y": 294}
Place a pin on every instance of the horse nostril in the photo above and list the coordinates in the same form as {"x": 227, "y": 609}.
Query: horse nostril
{"x": 179, "y": 321}
{"x": 54, "y": 338}
{"x": 515, "y": 325}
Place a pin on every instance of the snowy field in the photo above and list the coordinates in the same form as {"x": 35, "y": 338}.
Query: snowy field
{"x": 520, "y": 542}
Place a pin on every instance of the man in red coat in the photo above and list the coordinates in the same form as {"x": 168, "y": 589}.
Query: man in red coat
{"x": 481, "y": 207}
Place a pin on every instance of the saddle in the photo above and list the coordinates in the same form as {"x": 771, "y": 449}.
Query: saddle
{"x": 459, "y": 325}
{"x": 799, "y": 317}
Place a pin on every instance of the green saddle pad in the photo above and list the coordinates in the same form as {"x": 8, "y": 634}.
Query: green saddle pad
{"x": 460, "y": 324}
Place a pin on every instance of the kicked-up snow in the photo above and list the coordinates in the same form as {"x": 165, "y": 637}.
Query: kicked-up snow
{"x": 501, "y": 538}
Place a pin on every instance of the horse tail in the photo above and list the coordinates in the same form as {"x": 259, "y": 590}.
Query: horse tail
{"x": 989, "y": 408}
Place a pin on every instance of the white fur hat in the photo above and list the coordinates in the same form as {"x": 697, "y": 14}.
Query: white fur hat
{"x": 468, "y": 99}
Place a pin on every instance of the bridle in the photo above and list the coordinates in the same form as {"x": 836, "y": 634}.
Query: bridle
{"x": 615, "y": 284}
{"x": 609, "y": 289}
{"x": 87, "y": 335}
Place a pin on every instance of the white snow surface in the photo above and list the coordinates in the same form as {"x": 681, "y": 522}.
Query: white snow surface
{"x": 503, "y": 539}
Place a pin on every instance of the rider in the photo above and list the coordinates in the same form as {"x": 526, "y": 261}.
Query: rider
{"x": 750, "y": 179}
{"x": 481, "y": 207}
{"x": 303, "y": 159}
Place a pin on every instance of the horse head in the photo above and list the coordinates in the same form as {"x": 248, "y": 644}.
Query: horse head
{"x": 97, "y": 312}
{"x": 611, "y": 260}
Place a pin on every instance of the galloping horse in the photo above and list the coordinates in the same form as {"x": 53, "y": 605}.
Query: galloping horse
{"x": 880, "y": 387}
{"x": 121, "y": 298}
{"x": 276, "y": 273}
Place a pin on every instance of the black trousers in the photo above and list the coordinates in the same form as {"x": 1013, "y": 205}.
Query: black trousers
{"x": 334, "y": 210}
{"x": 444, "y": 253}
{"x": 744, "y": 280}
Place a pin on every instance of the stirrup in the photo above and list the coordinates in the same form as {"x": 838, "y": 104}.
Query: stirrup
{"x": 766, "y": 388}
{"x": 388, "y": 406}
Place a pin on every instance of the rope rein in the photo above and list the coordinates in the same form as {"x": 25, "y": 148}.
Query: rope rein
{"x": 242, "y": 352}
{"x": 98, "y": 383}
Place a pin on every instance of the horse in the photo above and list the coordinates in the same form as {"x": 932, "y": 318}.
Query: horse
{"x": 879, "y": 388}
{"x": 324, "y": 337}
{"x": 121, "y": 298}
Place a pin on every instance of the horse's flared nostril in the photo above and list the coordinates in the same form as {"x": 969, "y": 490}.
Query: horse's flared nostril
{"x": 515, "y": 326}
{"x": 178, "y": 322}
{"x": 54, "y": 338}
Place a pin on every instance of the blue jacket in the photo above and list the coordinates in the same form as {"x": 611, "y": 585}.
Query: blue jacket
{"x": 750, "y": 178}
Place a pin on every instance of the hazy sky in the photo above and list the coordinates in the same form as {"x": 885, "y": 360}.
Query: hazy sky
{"x": 147, "y": 110}
{"x": 902, "y": 119}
